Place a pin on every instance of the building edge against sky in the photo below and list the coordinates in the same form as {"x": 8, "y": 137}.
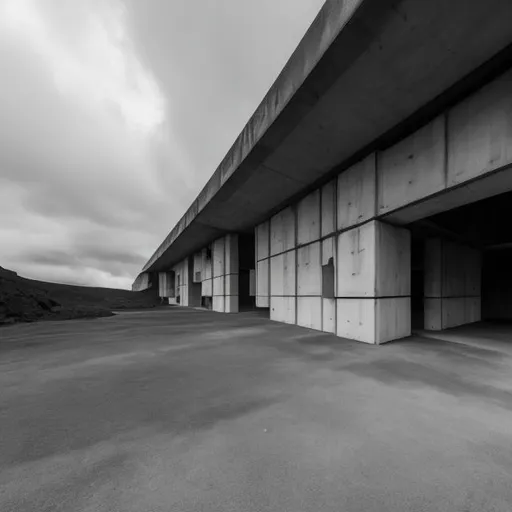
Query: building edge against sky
{"x": 389, "y": 112}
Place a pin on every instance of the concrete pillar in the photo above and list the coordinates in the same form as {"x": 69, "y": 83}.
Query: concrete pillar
{"x": 373, "y": 283}
{"x": 452, "y": 284}
{"x": 166, "y": 284}
{"x": 225, "y": 274}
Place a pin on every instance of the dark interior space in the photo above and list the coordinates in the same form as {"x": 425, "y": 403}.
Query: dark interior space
{"x": 247, "y": 265}
{"x": 417, "y": 282}
{"x": 484, "y": 225}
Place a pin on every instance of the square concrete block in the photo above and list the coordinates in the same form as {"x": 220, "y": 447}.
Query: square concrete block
{"x": 282, "y": 231}
{"x": 207, "y": 288}
{"x": 413, "y": 168}
{"x": 198, "y": 267}
{"x": 480, "y": 132}
{"x": 328, "y": 250}
{"x": 433, "y": 320}
{"x": 231, "y": 254}
{"x": 329, "y": 315}
{"x": 329, "y": 208}
{"x": 454, "y": 263}
{"x": 218, "y": 257}
{"x": 207, "y": 268}
{"x": 218, "y": 286}
{"x": 231, "y": 284}
{"x": 262, "y": 302}
{"x": 309, "y": 278}
{"x": 393, "y": 260}
{"x": 263, "y": 241}
{"x": 262, "y": 282}
{"x": 356, "y": 193}
{"x": 282, "y": 309}
{"x": 282, "y": 274}
{"x": 218, "y": 304}
{"x": 308, "y": 218}
{"x": 309, "y": 312}
{"x": 356, "y": 268}
{"x": 453, "y": 312}
{"x": 356, "y": 319}
{"x": 393, "y": 320}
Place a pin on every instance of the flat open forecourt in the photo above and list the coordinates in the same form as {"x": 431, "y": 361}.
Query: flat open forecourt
{"x": 184, "y": 410}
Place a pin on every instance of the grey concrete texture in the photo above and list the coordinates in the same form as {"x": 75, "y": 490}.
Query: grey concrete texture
{"x": 185, "y": 410}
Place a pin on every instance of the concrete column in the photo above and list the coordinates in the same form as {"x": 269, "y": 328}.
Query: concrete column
{"x": 452, "y": 284}
{"x": 166, "y": 284}
{"x": 373, "y": 283}
{"x": 231, "y": 274}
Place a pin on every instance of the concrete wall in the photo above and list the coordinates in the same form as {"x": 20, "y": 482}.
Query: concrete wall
{"x": 143, "y": 282}
{"x": 452, "y": 284}
{"x": 371, "y": 260}
{"x": 343, "y": 221}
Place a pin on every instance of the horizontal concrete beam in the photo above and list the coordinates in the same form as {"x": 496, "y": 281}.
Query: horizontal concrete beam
{"x": 362, "y": 69}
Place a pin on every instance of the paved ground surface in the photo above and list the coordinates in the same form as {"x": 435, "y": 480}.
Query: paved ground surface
{"x": 181, "y": 410}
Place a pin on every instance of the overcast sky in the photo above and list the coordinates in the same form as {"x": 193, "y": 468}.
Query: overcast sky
{"x": 113, "y": 115}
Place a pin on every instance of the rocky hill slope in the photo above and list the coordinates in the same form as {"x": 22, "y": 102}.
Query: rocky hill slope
{"x": 26, "y": 300}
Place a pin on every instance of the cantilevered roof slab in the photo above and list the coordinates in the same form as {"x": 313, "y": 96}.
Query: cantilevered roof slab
{"x": 362, "y": 69}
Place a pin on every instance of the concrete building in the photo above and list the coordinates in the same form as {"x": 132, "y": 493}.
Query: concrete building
{"x": 369, "y": 193}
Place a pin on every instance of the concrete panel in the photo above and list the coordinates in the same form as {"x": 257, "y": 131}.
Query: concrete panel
{"x": 329, "y": 315}
{"x": 432, "y": 261}
{"x": 328, "y": 249}
{"x": 309, "y": 270}
{"x": 308, "y": 218}
{"x": 218, "y": 257}
{"x": 356, "y": 319}
{"x": 328, "y": 252}
{"x": 262, "y": 278}
{"x": 218, "y": 286}
{"x": 414, "y": 168}
{"x": 356, "y": 262}
{"x": 231, "y": 254}
{"x": 207, "y": 288}
{"x": 231, "y": 304}
{"x": 480, "y": 132}
{"x": 329, "y": 208}
{"x": 262, "y": 241}
{"x": 198, "y": 267}
{"x": 309, "y": 312}
{"x": 472, "y": 309}
{"x": 262, "y": 302}
{"x": 432, "y": 314}
{"x": 231, "y": 284}
{"x": 282, "y": 309}
{"x": 207, "y": 265}
{"x": 166, "y": 284}
{"x": 218, "y": 304}
{"x": 356, "y": 193}
{"x": 282, "y": 274}
{"x": 453, "y": 269}
{"x": 282, "y": 231}
{"x": 453, "y": 312}
{"x": 393, "y": 260}
{"x": 393, "y": 319}
{"x": 184, "y": 295}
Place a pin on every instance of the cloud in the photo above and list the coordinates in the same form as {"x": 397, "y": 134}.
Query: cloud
{"x": 113, "y": 116}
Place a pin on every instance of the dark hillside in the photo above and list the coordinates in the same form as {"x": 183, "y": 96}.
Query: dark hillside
{"x": 26, "y": 300}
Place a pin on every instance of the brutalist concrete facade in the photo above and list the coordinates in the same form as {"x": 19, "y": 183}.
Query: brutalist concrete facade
{"x": 332, "y": 239}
